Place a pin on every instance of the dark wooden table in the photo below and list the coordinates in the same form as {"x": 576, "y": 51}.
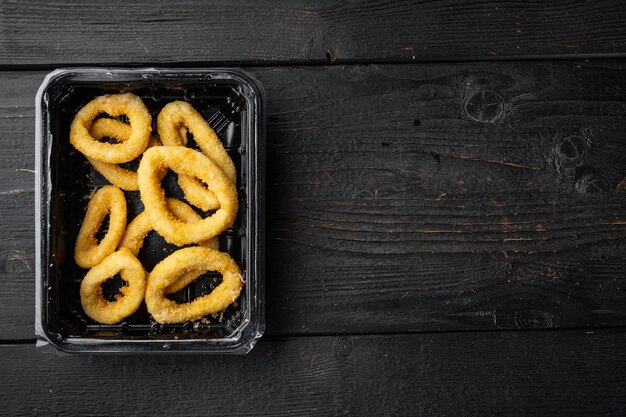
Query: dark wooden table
{"x": 447, "y": 228}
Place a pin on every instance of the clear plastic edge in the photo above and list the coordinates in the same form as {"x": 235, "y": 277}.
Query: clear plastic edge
{"x": 253, "y": 329}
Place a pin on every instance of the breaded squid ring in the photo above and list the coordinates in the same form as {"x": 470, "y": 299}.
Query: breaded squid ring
{"x": 140, "y": 226}
{"x": 108, "y": 200}
{"x": 137, "y": 230}
{"x": 172, "y": 124}
{"x": 183, "y": 212}
{"x": 91, "y": 298}
{"x": 115, "y": 174}
{"x": 189, "y": 162}
{"x": 168, "y": 271}
{"x": 114, "y": 105}
{"x": 197, "y": 194}
{"x": 178, "y": 115}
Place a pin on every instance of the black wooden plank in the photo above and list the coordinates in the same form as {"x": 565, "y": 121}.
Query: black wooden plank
{"x": 391, "y": 209}
{"x": 564, "y": 373}
{"x": 55, "y": 33}
{"x": 17, "y": 211}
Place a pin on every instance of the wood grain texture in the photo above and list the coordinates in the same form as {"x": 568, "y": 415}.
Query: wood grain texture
{"x": 17, "y": 205}
{"x": 400, "y": 210}
{"x": 415, "y": 197}
{"x": 330, "y": 31}
{"x": 565, "y": 373}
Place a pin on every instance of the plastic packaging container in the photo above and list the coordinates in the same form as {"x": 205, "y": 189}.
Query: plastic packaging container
{"x": 233, "y": 103}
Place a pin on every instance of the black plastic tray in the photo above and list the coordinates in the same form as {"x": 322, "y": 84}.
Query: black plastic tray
{"x": 232, "y": 102}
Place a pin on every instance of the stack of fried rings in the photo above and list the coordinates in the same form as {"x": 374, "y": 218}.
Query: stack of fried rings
{"x": 208, "y": 182}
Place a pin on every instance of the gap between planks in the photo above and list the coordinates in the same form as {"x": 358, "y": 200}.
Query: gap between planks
{"x": 319, "y": 63}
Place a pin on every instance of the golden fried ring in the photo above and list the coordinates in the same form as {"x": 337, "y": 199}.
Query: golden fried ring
{"x": 168, "y": 271}
{"x": 178, "y": 114}
{"x": 194, "y": 191}
{"x": 108, "y": 200}
{"x": 114, "y": 105}
{"x": 140, "y": 226}
{"x": 115, "y": 174}
{"x": 91, "y": 298}
{"x": 197, "y": 193}
{"x": 172, "y": 123}
{"x": 188, "y": 162}
{"x": 184, "y": 280}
